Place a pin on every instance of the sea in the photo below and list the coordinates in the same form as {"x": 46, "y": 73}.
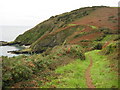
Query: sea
{"x": 8, "y": 34}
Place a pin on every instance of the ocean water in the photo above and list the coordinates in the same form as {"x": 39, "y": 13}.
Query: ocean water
{"x": 9, "y": 33}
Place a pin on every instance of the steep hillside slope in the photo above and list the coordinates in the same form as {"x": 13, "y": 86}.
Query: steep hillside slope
{"x": 52, "y": 24}
{"x": 81, "y": 26}
{"x": 83, "y": 31}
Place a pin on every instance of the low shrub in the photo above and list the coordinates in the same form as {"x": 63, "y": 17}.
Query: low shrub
{"x": 76, "y": 50}
{"x": 22, "y": 68}
{"x": 105, "y": 30}
{"x": 98, "y": 46}
{"x": 111, "y": 48}
{"x": 100, "y": 38}
{"x": 14, "y": 70}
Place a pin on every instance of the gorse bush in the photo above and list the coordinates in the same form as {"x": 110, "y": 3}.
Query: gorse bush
{"x": 14, "y": 70}
{"x": 111, "y": 48}
{"x": 100, "y": 38}
{"x": 98, "y": 46}
{"x": 21, "y": 68}
{"x": 20, "y": 72}
{"x": 70, "y": 50}
{"x": 76, "y": 50}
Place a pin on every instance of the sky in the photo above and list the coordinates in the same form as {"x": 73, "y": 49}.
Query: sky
{"x": 32, "y": 12}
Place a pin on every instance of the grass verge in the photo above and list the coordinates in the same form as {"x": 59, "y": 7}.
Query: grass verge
{"x": 70, "y": 76}
{"x": 101, "y": 73}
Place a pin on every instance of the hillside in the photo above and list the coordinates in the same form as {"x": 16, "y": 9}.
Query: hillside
{"x": 51, "y": 25}
{"x": 80, "y": 26}
{"x": 77, "y": 49}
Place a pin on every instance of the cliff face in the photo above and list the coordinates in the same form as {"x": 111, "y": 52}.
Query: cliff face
{"x": 81, "y": 26}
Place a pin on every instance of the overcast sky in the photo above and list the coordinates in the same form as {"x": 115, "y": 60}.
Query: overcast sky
{"x": 32, "y": 12}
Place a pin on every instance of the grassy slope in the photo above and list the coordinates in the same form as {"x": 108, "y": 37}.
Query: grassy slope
{"x": 70, "y": 76}
{"x": 102, "y": 74}
{"x": 73, "y": 74}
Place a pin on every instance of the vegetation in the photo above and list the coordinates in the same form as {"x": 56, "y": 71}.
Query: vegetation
{"x": 23, "y": 67}
{"x": 52, "y": 24}
{"x": 71, "y": 24}
{"x": 111, "y": 48}
{"x": 102, "y": 74}
{"x": 56, "y": 29}
{"x": 93, "y": 27}
{"x": 62, "y": 49}
{"x": 53, "y": 39}
{"x": 69, "y": 76}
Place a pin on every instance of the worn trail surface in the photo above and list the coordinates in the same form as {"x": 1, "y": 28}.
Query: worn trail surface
{"x": 88, "y": 76}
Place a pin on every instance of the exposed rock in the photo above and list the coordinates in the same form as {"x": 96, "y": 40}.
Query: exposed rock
{"x": 3, "y": 43}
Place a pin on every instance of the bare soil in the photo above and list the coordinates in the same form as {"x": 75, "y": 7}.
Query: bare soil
{"x": 88, "y": 75}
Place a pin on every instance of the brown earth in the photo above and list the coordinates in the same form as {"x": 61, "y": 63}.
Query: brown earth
{"x": 86, "y": 37}
{"x": 106, "y": 44}
{"x": 99, "y": 18}
{"x": 88, "y": 76}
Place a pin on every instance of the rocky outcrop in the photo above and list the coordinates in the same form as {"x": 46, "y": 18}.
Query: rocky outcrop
{"x": 3, "y": 43}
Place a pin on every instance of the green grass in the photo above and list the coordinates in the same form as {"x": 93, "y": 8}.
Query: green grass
{"x": 101, "y": 73}
{"x": 110, "y": 37}
{"x": 23, "y": 68}
{"x": 71, "y": 75}
{"x": 72, "y": 24}
{"x": 93, "y": 27}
